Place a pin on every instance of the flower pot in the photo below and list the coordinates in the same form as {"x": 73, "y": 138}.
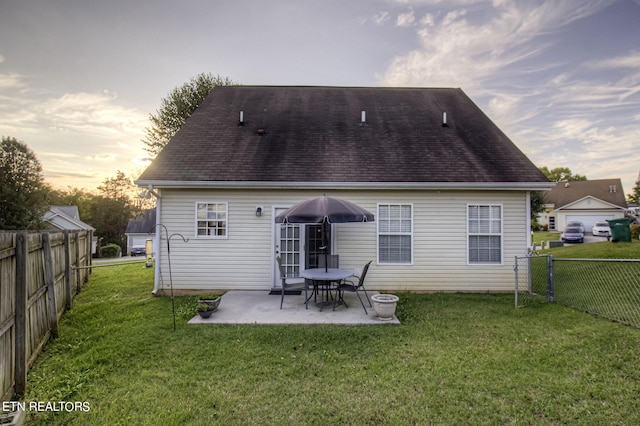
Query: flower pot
{"x": 207, "y": 306}
{"x": 205, "y": 314}
{"x": 384, "y": 305}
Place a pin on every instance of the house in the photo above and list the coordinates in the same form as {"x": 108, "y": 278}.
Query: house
{"x": 140, "y": 230}
{"x": 449, "y": 190}
{"x": 68, "y": 218}
{"x": 588, "y": 201}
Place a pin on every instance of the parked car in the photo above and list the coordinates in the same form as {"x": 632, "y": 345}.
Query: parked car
{"x": 601, "y": 229}
{"x": 573, "y": 235}
{"x": 576, "y": 225}
{"x": 138, "y": 251}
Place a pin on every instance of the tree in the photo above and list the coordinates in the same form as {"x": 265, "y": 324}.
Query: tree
{"x": 561, "y": 174}
{"x": 176, "y": 107}
{"x": 537, "y": 201}
{"x": 112, "y": 208}
{"x": 118, "y": 188}
{"x": 23, "y": 192}
{"x": 634, "y": 197}
{"x": 81, "y": 198}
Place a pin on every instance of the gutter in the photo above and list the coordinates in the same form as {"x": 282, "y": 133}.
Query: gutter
{"x": 485, "y": 186}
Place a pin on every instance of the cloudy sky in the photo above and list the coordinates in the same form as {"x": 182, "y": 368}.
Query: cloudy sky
{"x": 561, "y": 78}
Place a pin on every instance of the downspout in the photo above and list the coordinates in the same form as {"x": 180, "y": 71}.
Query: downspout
{"x": 528, "y": 220}
{"x": 156, "y": 242}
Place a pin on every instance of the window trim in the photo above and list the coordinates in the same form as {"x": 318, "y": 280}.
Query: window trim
{"x": 501, "y": 234}
{"x": 226, "y": 220}
{"x": 410, "y": 234}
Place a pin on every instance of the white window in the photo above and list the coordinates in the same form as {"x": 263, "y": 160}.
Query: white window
{"x": 484, "y": 230}
{"x": 211, "y": 220}
{"x": 395, "y": 233}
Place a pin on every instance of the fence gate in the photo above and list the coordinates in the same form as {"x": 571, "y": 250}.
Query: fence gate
{"x": 533, "y": 279}
{"x": 608, "y": 288}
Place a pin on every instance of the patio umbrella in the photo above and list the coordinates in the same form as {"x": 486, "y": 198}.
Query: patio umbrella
{"x": 325, "y": 210}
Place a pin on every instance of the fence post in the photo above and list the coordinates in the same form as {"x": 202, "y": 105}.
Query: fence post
{"x": 67, "y": 270}
{"x": 515, "y": 269}
{"x": 20, "y": 373}
{"x": 551, "y": 295}
{"x": 50, "y": 282}
{"x": 76, "y": 238}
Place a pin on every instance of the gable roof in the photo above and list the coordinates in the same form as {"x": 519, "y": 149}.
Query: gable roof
{"x": 66, "y": 217}
{"x": 315, "y": 135}
{"x": 607, "y": 190}
{"x": 142, "y": 226}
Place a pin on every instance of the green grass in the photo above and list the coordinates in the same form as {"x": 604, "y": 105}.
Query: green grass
{"x": 540, "y": 236}
{"x": 608, "y": 289}
{"x": 456, "y": 359}
{"x": 600, "y": 250}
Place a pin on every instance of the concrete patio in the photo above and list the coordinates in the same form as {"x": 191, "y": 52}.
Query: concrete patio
{"x": 259, "y": 307}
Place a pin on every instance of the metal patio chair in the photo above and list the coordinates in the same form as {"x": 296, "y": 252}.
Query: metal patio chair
{"x": 355, "y": 288}
{"x": 298, "y": 284}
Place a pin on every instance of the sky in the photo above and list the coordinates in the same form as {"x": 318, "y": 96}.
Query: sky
{"x": 561, "y": 78}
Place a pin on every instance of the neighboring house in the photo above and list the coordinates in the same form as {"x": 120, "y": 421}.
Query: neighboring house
{"x": 68, "y": 218}
{"x": 588, "y": 201}
{"x": 140, "y": 230}
{"x": 449, "y": 190}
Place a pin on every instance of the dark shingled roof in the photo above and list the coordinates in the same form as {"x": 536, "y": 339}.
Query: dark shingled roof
{"x": 607, "y": 190}
{"x": 314, "y": 134}
{"x": 145, "y": 225}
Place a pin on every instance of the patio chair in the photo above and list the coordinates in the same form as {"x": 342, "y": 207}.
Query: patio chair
{"x": 296, "y": 283}
{"x": 354, "y": 288}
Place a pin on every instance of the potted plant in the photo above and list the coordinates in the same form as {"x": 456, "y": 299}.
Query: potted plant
{"x": 384, "y": 305}
{"x": 207, "y": 303}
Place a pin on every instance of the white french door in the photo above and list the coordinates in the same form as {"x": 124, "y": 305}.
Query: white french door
{"x": 289, "y": 245}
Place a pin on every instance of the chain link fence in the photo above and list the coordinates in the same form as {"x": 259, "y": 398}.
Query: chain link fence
{"x": 609, "y": 288}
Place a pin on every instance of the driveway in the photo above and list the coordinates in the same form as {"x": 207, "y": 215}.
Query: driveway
{"x": 589, "y": 238}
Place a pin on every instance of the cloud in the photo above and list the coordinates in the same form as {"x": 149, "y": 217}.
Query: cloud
{"x": 379, "y": 18}
{"x": 92, "y": 113}
{"x": 77, "y": 136}
{"x": 632, "y": 60}
{"x": 462, "y": 49}
{"x": 102, "y": 157}
{"x": 10, "y": 81}
{"x": 406, "y": 19}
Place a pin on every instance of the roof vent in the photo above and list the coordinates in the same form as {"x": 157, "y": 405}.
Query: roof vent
{"x": 241, "y": 120}
{"x": 261, "y": 132}
{"x": 363, "y": 118}
{"x": 444, "y": 120}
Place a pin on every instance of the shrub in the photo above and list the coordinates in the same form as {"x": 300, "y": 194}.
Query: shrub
{"x": 635, "y": 231}
{"x": 110, "y": 250}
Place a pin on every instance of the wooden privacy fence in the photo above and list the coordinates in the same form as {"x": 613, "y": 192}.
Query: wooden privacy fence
{"x": 38, "y": 280}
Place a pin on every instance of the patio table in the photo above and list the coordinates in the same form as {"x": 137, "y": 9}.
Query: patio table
{"x": 322, "y": 277}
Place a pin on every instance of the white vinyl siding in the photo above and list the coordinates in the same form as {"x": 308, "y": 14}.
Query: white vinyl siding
{"x": 246, "y": 259}
{"x": 484, "y": 230}
{"x": 211, "y": 220}
{"x": 395, "y": 233}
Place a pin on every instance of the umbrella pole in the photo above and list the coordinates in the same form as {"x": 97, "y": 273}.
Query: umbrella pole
{"x": 326, "y": 245}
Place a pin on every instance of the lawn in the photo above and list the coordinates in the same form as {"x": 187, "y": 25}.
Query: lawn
{"x": 607, "y": 288}
{"x": 456, "y": 359}
{"x": 540, "y": 236}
